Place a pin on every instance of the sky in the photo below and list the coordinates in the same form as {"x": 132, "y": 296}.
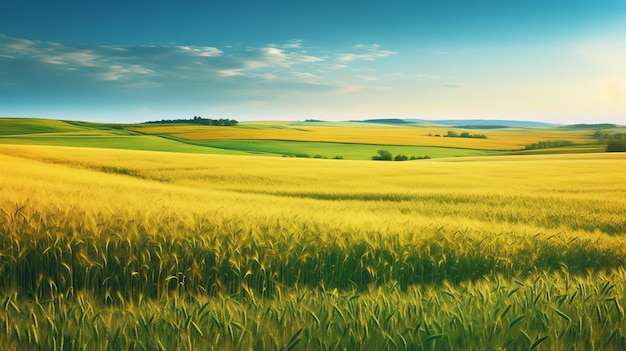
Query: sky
{"x": 133, "y": 61}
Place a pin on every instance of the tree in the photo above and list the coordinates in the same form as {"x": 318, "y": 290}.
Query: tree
{"x": 401, "y": 157}
{"x": 616, "y": 146}
{"x": 383, "y": 155}
{"x": 452, "y": 134}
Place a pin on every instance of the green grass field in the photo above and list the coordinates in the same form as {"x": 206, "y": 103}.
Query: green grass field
{"x": 17, "y": 126}
{"x": 330, "y": 150}
{"x": 347, "y": 140}
{"x": 110, "y": 140}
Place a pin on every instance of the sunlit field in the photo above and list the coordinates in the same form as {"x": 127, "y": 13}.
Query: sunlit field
{"x": 512, "y": 139}
{"x": 125, "y": 249}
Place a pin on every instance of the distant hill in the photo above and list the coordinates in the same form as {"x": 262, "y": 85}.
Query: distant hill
{"x": 590, "y": 126}
{"x": 492, "y": 123}
{"x": 463, "y": 123}
{"x": 386, "y": 121}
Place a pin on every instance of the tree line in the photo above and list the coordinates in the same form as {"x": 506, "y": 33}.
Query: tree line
{"x": 615, "y": 142}
{"x": 385, "y": 155}
{"x": 453, "y": 134}
{"x": 198, "y": 120}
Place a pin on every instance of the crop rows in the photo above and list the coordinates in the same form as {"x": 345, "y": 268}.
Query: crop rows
{"x": 555, "y": 312}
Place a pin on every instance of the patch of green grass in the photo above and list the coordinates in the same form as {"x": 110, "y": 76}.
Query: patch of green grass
{"x": 115, "y": 141}
{"x": 330, "y": 150}
{"x": 100, "y": 126}
{"x": 19, "y": 126}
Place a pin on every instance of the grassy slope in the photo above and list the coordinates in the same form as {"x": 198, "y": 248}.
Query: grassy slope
{"x": 93, "y": 135}
{"x": 345, "y": 150}
{"x": 18, "y": 126}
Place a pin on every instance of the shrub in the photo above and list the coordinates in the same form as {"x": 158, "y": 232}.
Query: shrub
{"x": 549, "y": 144}
{"x": 401, "y": 157}
{"x": 383, "y": 155}
{"x": 616, "y": 146}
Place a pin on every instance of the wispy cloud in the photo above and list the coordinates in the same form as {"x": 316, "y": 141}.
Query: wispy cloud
{"x": 453, "y": 85}
{"x": 365, "y": 52}
{"x": 203, "y": 51}
{"x": 288, "y": 68}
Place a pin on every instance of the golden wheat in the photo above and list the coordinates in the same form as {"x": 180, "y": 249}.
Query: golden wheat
{"x": 271, "y": 253}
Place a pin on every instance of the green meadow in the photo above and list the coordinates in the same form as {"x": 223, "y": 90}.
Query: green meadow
{"x": 302, "y": 139}
{"x": 332, "y": 150}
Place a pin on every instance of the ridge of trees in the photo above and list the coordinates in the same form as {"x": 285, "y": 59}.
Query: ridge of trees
{"x": 197, "y": 120}
{"x": 453, "y": 134}
{"x": 385, "y": 155}
{"x": 548, "y": 144}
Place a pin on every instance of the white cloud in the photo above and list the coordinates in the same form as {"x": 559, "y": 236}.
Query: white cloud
{"x": 16, "y": 44}
{"x": 231, "y": 72}
{"x": 82, "y": 58}
{"x": 203, "y": 51}
{"x": 274, "y": 56}
{"x": 256, "y": 70}
{"x": 305, "y": 75}
{"x": 292, "y": 44}
{"x": 117, "y": 72}
{"x": 365, "y": 52}
{"x": 309, "y": 59}
{"x": 269, "y": 76}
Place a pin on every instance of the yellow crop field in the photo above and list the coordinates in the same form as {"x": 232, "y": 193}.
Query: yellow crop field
{"x": 120, "y": 249}
{"x": 382, "y": 135}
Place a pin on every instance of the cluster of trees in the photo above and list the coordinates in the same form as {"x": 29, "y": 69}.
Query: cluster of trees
{"x": 548, "y": 144}
{"x": 453, "y": 134}
{"x": 384, "y": 155}
{"x": 616, "y": 145}
{"x": 199, "y": 120}
{"x": 615, "y": 142}
{"x": 604, "y": 137}
{"x": 303, "y": 155}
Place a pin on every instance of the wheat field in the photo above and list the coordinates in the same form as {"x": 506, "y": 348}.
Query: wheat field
{"x": 506, "y": 139}
{"x": 118, "y": 249}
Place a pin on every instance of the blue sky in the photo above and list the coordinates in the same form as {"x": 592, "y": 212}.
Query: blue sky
{"x": 132, "y": 61}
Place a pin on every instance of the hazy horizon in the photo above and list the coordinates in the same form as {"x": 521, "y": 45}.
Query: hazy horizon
{"x": 549, "y": 61}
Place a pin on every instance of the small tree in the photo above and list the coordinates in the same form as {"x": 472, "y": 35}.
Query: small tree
{"x": 401, "y": 157}
{"x": 616, "y": 146}
{"x": 452, "y": 134}
{"x": 383, "y": 155}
